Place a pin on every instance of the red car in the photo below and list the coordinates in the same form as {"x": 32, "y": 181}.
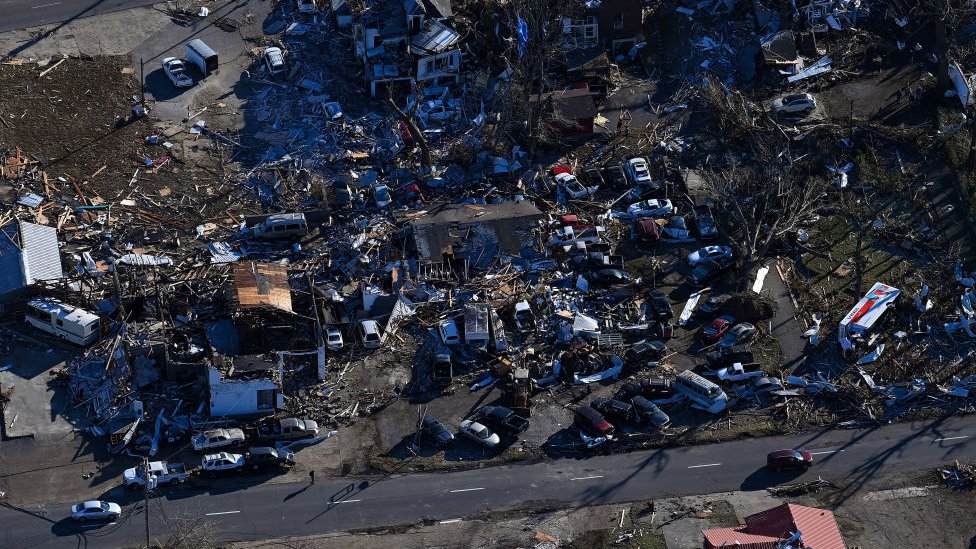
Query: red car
{"x": 714, "y": 331}
{"x": 789, "y": 459}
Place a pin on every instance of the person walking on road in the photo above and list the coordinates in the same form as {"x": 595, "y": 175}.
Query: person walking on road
{"x": 311, "y": 476}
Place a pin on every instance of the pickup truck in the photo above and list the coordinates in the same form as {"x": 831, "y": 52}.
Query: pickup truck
{"x": 289, "y": 428}
{"x": 704, "y": 221}
{"x": 161, "y": 472}
{"x": 443, "y": 368}
{"x": 740, "y": 372}
{"x": 501, "y": 418}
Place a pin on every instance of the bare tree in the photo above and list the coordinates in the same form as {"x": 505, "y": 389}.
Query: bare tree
{"x": 408, "y": 120}
{"x": 763, "y": 203}
{"x": 945, "y": 17}
{"x": 189, "y": 531}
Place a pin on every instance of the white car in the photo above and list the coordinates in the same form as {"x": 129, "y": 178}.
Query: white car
{"x": 222, "y": 462}
{"x": 638, "y": 171}
{"x": 274, "y": 60}
{"x": 708, "y": 253}
{"x": 571, "y": 186}
{"x": 333, "y": 337}
{"x": 655, "y": 207}
{"x": 306, "y": 6}
{"x": 218, "y": 438}
{"x": 176, "y": 72}
{"x": 479, "y": 433}
{"x": 737, "y": 372}
{"x": 448, "y": 332}
{"x": 95, "y": 510}
{"x": 801, "y": 102}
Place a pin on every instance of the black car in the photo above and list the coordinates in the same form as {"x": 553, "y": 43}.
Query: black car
{"x": 649, "y": 412}
{"x": 265, "y": 457}
{"x": 614, "y": 409}
{"x": 726, "y": 356}
{"x": 661, "y": 307}
{"x": 616, "y": 176}
{"x": 608, "y": 277}
{"x": 592, "y": 177}
{"x": 341, "y": 195}
{"x": 707, "y": 271}
{"x": 704, "y": 222}
{"x": 660, "y": 330}
{"x": 646, "y": 351}
{"x": 442, "y": 435}
{"x": 712, "y": 306}
{"x": 501, "y": 418}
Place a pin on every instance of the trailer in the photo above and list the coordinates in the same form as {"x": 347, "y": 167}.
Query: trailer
{"x": 476, "y": 331}
{"x": 64, "y": 321}
{"x": 866, "y": 312}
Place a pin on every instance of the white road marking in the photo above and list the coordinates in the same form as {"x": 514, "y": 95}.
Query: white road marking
{"x": 705, "y": 465}
{"x": 347, "y": 501}
{"x": 940, "y": 439}
{"x": 451, "y": 521}
{"x": 222, "y": 513}
{"x": 45, "y": 5}
{"x": 825, "y": 452}
{"x": 466, "y": 490}
{"x": 587, "y": 478}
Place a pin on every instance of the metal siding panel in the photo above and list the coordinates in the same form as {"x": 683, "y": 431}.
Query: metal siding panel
{"x": 11, "y": 274}
{"x": 42, "y": 259}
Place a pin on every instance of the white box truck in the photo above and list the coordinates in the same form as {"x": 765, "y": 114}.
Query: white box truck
{"x": 201, "y": 55}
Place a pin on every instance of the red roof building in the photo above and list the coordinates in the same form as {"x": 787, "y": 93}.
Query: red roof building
{"x": 802, "y": 527}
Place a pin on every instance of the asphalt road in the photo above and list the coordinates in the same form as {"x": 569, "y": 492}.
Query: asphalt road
{"x": 19, "y": 14}
{"x": 856, "y": 459}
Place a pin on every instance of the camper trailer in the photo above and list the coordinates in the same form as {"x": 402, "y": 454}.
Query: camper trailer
{"x": 201, "y": 55}
{"x": 69, "y": 323}
{"x": 476, "y": 325}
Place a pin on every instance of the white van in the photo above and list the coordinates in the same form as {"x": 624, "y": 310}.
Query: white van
{"x": 282, "y": 226}
{"x": 369, "y": 334}
{"x": 70, "y": 323}
{"x": 201, "y": 55}
{"x": 703, "y": 394}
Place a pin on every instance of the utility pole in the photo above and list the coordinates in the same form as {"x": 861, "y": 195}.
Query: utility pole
{"x": 145, "y": 510}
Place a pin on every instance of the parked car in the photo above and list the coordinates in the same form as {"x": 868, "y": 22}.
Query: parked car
{"x": 740, "y": 372}
{"x": 654, "y": 207}
{"x": 714, "y": 331}
{"x": 369, "y": 333}
{"x": 638, "y": 171}
{"x": 479, "y": 433}
{"x": 789, "y": 459}
{"x": 707, "y": 271}
{"x": 796, "y": 103}
{"x": 593, "y": 177}
{"x": 95, "y": 510}
{"x": 740, "y": 333}
{"x": 175, "y": 70}
{"x": 306, "y": 6}
{"x": 728, "y": 355}
{"x": 592, "y": 422}
{"x": 381, "y": 196}
{"x": 435, "y": 429}
{"x": 661, "y": 307}
{"x": 501, "y": 418}
{"x": 676, "y": 229}
{"x": 289, "y": 428}
{"x": 663, "y": 331}
{"x": 265, "y": 457}
{"x": 163, "y": 472}
{"x": 704, "y": 222}
{"x": 571, "y": 186}
{"x": 524, "y": 318}
{"x": 614, "y": 409}
{"x": 709, "y": 253}
{"x": 712, "y": 306}
{"x": 645, "y": 351}
{"x": 443, "y": 368}
{"x": 448, "y": 332}
{"x": 656, "y": 388}
{"x": 649, "y": 412}
{"x": 218, "y": 438}
{"x": 608, "y": 277}
{"x": 333, "y": 338}
{"x": 647, "y": 230}
{"x": 274, "y": 60}
{"x": 616, "y": 176}
{"x": 222, "y": 462}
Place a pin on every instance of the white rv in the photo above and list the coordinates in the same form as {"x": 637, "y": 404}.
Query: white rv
{"x": 703, "y": 394}
{"x": 70, "y": 323}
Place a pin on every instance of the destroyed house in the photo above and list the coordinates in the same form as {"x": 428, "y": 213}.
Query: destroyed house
{"x": 572, "y": 112}
{"x": 474, "y": 235}
{"x": 381, "y": 41}
{"x": 618, "y": 24}
{"x": 28, "y": 253}
{"x": 242, "y": 397}
{"x": 438, "y": 59}
{"x": 788, "y": 525}
{"x": 263, "y": 317}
